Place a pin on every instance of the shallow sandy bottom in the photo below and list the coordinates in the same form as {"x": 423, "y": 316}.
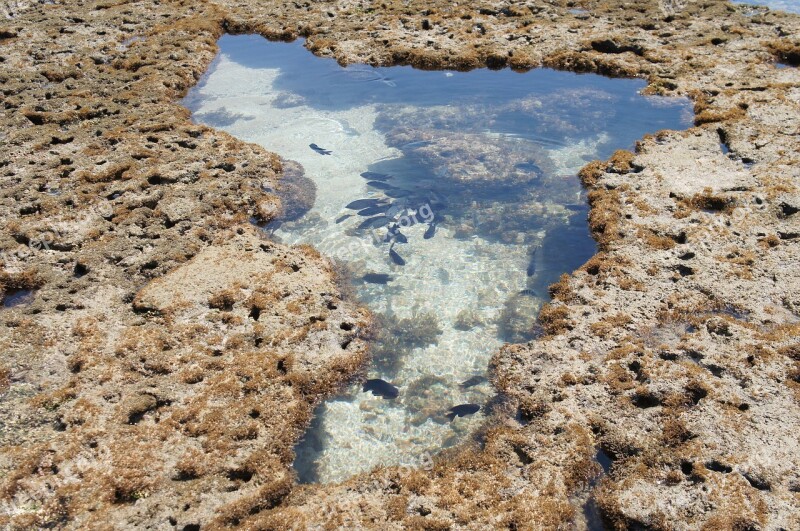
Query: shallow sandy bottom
{"x": 444, "y": 277}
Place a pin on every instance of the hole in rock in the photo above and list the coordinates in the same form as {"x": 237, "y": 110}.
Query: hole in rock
{"x": 18, "y": 297}
{"x": 723, "y": 141}
{"x": 696, "y": 393}
{"x": 716, "y": 466}
{"x": 788, "y": 210}
{"x": 756, "y": 481}
{"x": 80, "y": 269}
{"x": 604, "y": 461}
{"x": 455, "y": 193}
{"x": 522, "y": 455}
{"x": 240, "y": 475}
{"x": 282, "y": 367}
{"x": 680, "y": 238}
{"x": 645, "y": 400}
{"x": 591, "y": 512}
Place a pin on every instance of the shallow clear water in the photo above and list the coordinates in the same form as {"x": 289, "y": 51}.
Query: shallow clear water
{"x": 18, "y": 297}
{"x": 472, "y": 187}
{"x": 790, "y": 6}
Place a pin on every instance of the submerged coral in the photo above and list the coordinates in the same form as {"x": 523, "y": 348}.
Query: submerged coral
{"x": 296, "y": 192}
{"x": 394, "y": 338}
{"x": 474, "y": 159}
{"x": 516, "y": 323}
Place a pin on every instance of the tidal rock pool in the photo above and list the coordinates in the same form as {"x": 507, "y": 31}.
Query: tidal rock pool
{"x": 790, "y": 6}
{"x": 451, "y": 200}
{"x": 17, "y": 297}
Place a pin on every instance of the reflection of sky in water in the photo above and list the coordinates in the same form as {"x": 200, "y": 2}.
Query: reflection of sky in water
{"x": 474, "y": 207}
{"x": 17, "y": 297}
{"x": 790, "y": 6}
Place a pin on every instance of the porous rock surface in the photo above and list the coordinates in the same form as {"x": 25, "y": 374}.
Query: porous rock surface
{"x": 171, "y": 356}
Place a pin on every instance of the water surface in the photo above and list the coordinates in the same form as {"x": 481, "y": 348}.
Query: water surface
{"x": 468, "y": 207}
{"x": 17, "y": 297}
{"x": 790, "y": 6}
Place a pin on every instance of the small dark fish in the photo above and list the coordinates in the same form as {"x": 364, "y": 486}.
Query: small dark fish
{"x": 396, "y": 258}
{"x": 532, "y": 264}
{"x": 342, "y": 218}
{"x": 395, "y": 209}
{"x": 407, "y": 218}
{"x": 375, "y": 176}
{"x": 358, "y": 204}
{"x": 397, "y": 193}
{"x": 367, "y": 223}
{"x": 462, "y": 410}
{"x": 472, "y": 382}
{"x": 380, "y": 185}
{"x": 371, "y": 211}
{"x": 438, "y": 205}
{"x": 377, "y": 221}
{"x": 321, "y": 151}
{"x": 381, "y": 388}
{"x": 417, "y": 144}
{"x": 529, "y": 167}
{"x": 377, "y": 278}
{"x": 395, "y": 236}
{"x": 528, "y": 292}
{"x": 430, "y": 232}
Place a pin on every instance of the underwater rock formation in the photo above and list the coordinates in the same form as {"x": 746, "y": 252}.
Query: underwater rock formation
{"x": 295, "y": 191}
{"x": 468, "y": 158}
{"x": 517, "y": 321}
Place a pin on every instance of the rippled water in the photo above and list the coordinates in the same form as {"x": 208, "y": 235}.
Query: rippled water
{"x": 467, "y": 206}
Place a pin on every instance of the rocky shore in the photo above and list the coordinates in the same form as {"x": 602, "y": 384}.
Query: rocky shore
{"x": 160, "y": 357}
